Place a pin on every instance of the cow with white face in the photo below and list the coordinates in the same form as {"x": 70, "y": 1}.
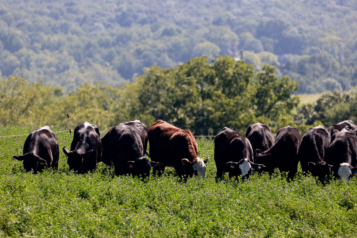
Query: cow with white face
{"x": 171, "y": 146}
{"x": 233, "y": 153}
{"x": 342, "y": 154}
{"x": 199, "y": 166}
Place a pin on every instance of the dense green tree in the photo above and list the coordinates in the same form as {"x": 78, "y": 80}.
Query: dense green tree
{"x": 63, "y": 43}
{"x": 202, "y": 95}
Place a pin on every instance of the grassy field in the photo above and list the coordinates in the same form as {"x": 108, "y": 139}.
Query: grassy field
{"x": 309, "y": 98}
{"x": 63, "y": 204}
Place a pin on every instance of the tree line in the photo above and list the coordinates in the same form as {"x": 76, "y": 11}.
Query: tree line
{"x": 69, "y": 43}
{"x": 202, "y": 95}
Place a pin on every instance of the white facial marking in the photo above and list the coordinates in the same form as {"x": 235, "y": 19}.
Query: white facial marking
{"x": 200, "y": 166}
{"x": 45, "y": 128}
{"x": 245, "y": 167}
{"x": 344, "y": 171}
{"x": 86, "y": 124}
{"x": 136, "y": 120}
{"x": 319, "y": 126}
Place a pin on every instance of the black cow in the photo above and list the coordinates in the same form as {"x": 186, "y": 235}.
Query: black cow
{"x": 124, "y": 147}
{"x": 342, "y": 154}
{"x": 40, "y": 150}
{"x": 233, "y": 153}
{"x": 175, "y": 147}
{"x": 260, "y": 137}
{"x": 312, "y": 152}
{"x": 86, "y": 148}
{"x": 347, "y": 124}
{"x": 284, "y": 153}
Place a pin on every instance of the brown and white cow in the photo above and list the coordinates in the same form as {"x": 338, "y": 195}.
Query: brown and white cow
{"x": 40, "y": 150}
{"x": 86, "y": 148}
{"x": 233, "y": 153}
{"x": 174, "y": 147}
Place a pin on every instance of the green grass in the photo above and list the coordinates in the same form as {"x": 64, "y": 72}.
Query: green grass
{"x": 63, "y": 204}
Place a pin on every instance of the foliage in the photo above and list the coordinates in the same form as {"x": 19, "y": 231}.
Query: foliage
{"x": 202, "y": 95}
{"x": 70, "y": 43}
{"x": 101, "y": 205}
{"x": 330, "y": 108}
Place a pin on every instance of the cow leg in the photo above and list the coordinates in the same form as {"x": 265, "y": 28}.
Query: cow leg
{"x": 180, "y": 172}
{"x": 159, "y": 169}
{"x": 294, "y": 168}
{"x": 305, "y": 168}
{"x": 119, "y": 170}
{"x": 220, "y": 173}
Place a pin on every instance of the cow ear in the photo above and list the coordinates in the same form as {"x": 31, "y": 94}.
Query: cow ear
{"x": 206, "y": 160}
{"x": 311, "y": 165}
{"x": 19, "y": 157}
{"x": 42, "y": 161}
{"x": 65, "y": 150}
{"x": 241, "y": 161}
{"x": 97, "y": 130}
{"x": 186, "y": 162}
{"x": 86, "y": 155}
{"x": 257, "y": 166}
{"x": 131, "y": 164}
{"x": 353, "y": 169}
{"x": 333, "y": 166}
{"x": 154, "y": 164}
{"x": 230, "y": 164}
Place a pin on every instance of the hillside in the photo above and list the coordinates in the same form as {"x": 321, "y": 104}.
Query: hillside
{"x": 69, "y": 43}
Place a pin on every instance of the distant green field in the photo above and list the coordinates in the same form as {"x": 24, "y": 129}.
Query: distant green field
{"x": 63, "y": 204}
{"x": 309, "y": 98}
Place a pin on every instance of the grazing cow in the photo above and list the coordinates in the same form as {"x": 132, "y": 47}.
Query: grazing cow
{"x": 347, "y": 124}
{"x": 233, "y": 153}
{"x": 284, "y": 153}
{"x": 174, "y": 147}
{"x": 342, "y": 154}
{"x": 86, "y": 148}
{"x": 260, "y": 137}
{"x": 312, "y": 152}
{"x": 40, "y": 150}
{"x": 124, "y": 146}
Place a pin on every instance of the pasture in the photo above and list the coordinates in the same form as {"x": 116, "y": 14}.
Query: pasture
{"x": 309, "y": 98}
{"x": 99, "y": 204}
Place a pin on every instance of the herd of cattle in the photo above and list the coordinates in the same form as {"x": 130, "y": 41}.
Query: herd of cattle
{"x": 321, "y": 152}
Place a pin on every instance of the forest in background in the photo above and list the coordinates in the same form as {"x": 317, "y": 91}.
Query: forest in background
{"x": 70, "y": 43}
{"x": 202, "y": 95}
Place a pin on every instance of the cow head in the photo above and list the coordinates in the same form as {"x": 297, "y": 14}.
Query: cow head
{"x": 198, "y": 165}
{"x": 320, "y": 169}
{"x": 243, "y": 167}
{"x": 141, "y": 167}
{"x": 76, "y": 159}
{"x": 32, "y": 162}
{"x": 345, "y": 171}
